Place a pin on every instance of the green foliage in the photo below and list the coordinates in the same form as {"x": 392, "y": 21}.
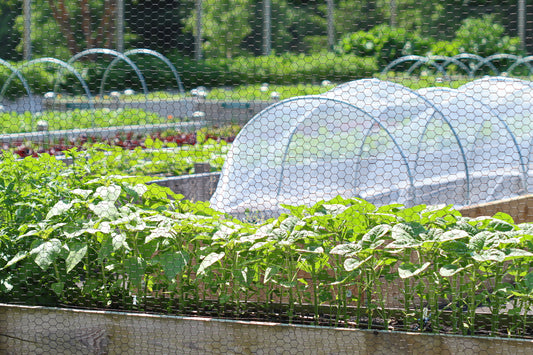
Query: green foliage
{"x": 254, "y": 92}
{"x": 220, "y": 18}
{"x": 9, "y": 9}
{"x": 11, "y": 122}
{"x": 155, "y": 161}
{"x": 114, "y": 242}
{"x": 384, "y": 43}
{"x": 482, "y": 36}
{"x": 284, "y": 69}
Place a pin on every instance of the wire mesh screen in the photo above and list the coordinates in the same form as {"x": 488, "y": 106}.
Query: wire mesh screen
{"x": 216, "y": 176}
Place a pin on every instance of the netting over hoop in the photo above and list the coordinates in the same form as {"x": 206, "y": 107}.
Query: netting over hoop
{"x": 385, "y": 143}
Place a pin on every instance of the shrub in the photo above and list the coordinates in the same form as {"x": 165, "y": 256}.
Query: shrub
{"x": 215, "y": 72}
{"x": 384, "y": 43}
{"x": 482, "y": 36}
{"x": 275, "y": 69}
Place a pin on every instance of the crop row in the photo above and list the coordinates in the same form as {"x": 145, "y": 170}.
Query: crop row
{"x": 71, "y": 236}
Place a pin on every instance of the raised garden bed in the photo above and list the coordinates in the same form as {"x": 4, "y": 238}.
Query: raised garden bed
{"x": 41, "y": 330}
{"x": 111, "y": 243}
{"x": 218, "y": 112}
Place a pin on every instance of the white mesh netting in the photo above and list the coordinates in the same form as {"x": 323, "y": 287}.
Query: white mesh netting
{"x": 385, "y": 143}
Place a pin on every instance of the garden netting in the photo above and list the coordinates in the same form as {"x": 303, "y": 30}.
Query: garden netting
{"x": 385, "y": 143}
{"x": 173, "y": 170}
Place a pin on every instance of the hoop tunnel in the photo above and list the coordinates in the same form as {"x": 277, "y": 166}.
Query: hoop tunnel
{"x": 385, "y": 143}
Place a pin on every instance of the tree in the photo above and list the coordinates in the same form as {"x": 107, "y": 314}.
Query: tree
{"x": 62, "y": 28}
{"x": 225, "y": 23}
{"x": 9, "y": 10}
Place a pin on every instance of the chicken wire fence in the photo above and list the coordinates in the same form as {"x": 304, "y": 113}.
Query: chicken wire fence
{"x": 176, "y": 157}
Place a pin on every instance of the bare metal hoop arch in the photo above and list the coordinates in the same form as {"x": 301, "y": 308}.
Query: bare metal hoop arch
{"x": 19, "y": 75}
{"x": 115, "y": 54}
{"x": 152, "y": 53}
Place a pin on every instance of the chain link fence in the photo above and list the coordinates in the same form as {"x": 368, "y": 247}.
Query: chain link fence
{"x": 327, "y": 163}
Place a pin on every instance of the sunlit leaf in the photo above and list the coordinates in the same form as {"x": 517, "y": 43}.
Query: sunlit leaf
{"x": 108, "y": 193}
{"x": 450, "y": 270}
{"x": 46, "y": 253}
{"x": 352, "y": 264}
{"x": 59, "y": 208}
{"x": 21, "y": 255}
{"x": 76, "y": 254}
{"x": 343, "y": 249}
{"x": 270, "y": 272}
{"x": 104, "y": 209}
{"x": 160, "y": 232}
{"x": 407, "y": 270}
{"x": 209, "y": 260}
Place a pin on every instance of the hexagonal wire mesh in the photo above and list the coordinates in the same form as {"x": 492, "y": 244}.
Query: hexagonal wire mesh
{"x": 385, "y": 143}
{"x": 260, "y": 107}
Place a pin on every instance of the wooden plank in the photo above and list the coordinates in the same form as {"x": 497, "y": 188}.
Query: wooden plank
{"x": 63, "y": 331}
{"x": 520, "y": 208}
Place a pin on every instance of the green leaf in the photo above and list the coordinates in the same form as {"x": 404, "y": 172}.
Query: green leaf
{"x": 82, "y": 193}
{"x": 514, "y": 253}
{"x": 104, "y": 209}
{"x": 59, "y": 208}
{"x": 407, "y": 270}
{"x": 453, "y": 235}
{"x": 270, "y": 272}
{"x": 503, "y": 217}
{"x": 450, "y": 270}
{"x": 333, "y": 209}
{"x": 106, "y": 248}
{"x": 208, "y": 261}
{"x": 76, "y": 254}
{"x": 58, "y": 287}
{"x": 353, "y": 219}
{"x": 108, "y": 193}
{"x": 160, "y": 232}
{"x": 288, "y": 224}
{"x": 456, "y": 248}
{"x": 135, "y": 268}
{"x": 119, "y": 240}
{"x": 352, "y": 264}
{"x": 489, "y": 255}
{"x": 46, "y": 253}
{"x": 172, "y": 263}
{"x": 343, "y": 249}
{"x": 374, "y": 237}
{"x": 406, "y": 235}
{"x": 21, "y": 255}
{"x": 500, "y": 225}
{"x": 528, "y": 282}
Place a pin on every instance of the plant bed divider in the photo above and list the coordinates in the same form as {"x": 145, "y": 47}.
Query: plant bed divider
{"x": 216, "y": 111}
{"x": 520, "y": 208}
{"x": 42, "y": 330}
{"x": 104, "y": 132}
{"x": 196, "y": 187}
